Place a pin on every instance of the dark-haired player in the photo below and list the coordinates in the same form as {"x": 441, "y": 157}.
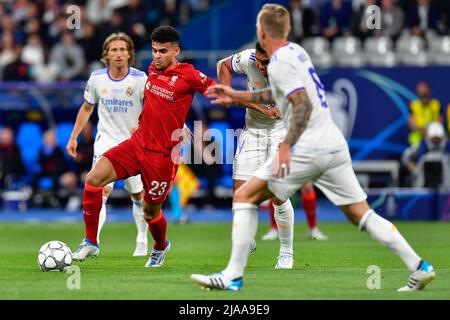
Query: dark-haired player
{"x": 152, "y": 150}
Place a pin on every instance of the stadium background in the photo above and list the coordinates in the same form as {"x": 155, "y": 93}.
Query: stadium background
{"x": 369, "y": 88}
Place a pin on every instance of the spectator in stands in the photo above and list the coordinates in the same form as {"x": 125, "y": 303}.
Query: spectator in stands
{"x": 134, "y": 18}
{"x": 423, "y": 16}
{"x": 11, "y": 164}
{"x": 69, "y": 57}
{"x": 17, "y": 70}
{"x": 33, "y": 51}
{"x": 423, "y": 111}
{"x": 7, "y": 52}
{"x": 53, "y": 165}
{"x": 92, "y": 45}
{"x": 392, "y": 19}
{"x": 360, "y": 18}
{"x": 303, "y": 21}
{"x": 434, "y": 149}
{"x": 46, "y": 71}
{"x": 335, "y": 18}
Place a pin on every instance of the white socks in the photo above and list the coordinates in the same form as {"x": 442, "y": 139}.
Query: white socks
{"x": 245, "y": 224}
{"x": 101, "y": 218}
{"x": 141, "y": 224}
{"x": 387, "y": 234}
{"x": 284, "y": 216}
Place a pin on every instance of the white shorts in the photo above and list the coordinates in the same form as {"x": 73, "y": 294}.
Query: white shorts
{"x": 254, "y": 148}
{"x": 132, "y": 184}
{"x": 332, "y": 173}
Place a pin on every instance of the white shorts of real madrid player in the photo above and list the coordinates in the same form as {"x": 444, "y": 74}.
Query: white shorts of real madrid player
{"x": 321, "y": 154}
{"x": 261, "y": 135}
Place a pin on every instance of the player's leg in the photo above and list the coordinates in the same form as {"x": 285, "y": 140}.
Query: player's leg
{"x": 309, "y": 202}
{"x": 284, "y": 217}
{"x": 245, "y": 222}
{"x": 272, "y": 234}
{"x": 157, "y": 224}
{"x": 136, "y": 189}
{"x": 340, "y": 185}
{"x": 237, "y": 183}
{"x": 101, "y": 174}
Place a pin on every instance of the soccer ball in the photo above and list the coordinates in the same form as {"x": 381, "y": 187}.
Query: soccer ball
{"x": 54, "y": 256}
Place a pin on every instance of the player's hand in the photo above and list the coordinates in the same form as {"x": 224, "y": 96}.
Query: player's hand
{"x": 71, "y": 148}
{"x": 282, "y": 161}
{"x": 186, "y": 135}
{"x": 273, "y": 113}
{"x": 221, "y": 94}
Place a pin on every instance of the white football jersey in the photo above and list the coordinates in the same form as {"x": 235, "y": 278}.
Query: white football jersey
{"x": 244, "y": 63}
{"x": 290, "y": 70}
{"x": 119, "y": 103}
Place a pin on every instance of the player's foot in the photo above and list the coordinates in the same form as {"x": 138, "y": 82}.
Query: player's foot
{"x": 217, "y": 281}
{"x": 316, "y": 234}
{"x": 420, "y": 278}
{"x": 157, "y": 257}
{"x": 252, "y": 247}
{"x": 272, "y": 234}
{"x": 285, "y": 261}
{"x": 141, "y": 249}
{"x": 86, "y": 249}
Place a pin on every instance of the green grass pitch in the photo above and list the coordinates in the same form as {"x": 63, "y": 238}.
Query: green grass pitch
{"x": 336, "y": 269}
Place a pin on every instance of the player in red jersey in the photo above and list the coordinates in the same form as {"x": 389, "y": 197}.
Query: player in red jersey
{"x": 153, "y": 149}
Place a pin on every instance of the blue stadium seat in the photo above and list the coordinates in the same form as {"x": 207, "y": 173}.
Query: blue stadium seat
{"x": 29, "y": 140}
{"x": 63, "y": 131}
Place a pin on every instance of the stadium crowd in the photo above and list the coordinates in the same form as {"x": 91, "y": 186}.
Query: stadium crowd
{"x": 36, "y": 45}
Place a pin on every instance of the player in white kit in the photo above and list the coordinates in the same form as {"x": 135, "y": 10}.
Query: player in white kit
{"x": 313, "y": 149}
{"x": 263, "y": 131}
{"x": 118, "y": 91}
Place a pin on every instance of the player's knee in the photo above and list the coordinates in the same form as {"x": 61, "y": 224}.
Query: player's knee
{"x": 92, "y": 179}
{"x": 137, "y": 196}
{"x": 241, "y": 196}
{"x": 107, "y": 191}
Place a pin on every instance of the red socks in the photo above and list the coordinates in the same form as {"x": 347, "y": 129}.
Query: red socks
{"x": 158, "y": 227}
{"x": 92, "y": 204}
{"x": 273, "y": 223}
{"x": 310, "y": 207}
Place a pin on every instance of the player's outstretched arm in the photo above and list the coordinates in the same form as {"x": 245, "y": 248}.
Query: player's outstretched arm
{"x": 226, "y": 95}
{"x": 82, "y": 118}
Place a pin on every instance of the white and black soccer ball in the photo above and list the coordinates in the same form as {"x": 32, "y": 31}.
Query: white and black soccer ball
{"x": 54, "y": 256}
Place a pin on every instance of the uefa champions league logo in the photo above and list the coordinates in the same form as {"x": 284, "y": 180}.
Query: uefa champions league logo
{"x": 343, "y": 102}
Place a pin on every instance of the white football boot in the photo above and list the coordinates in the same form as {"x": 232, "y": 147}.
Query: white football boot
{"x": 86, "y": 249}
{"x": 217, "y": 281}
{"x": 420, "y": 278}
{"x": 141, "y": 249}
{"x": 316, "y": 234}
{"x": 272, "y": 234}
{"x": 157, "y": 257}
{"x": 285, "y": 261}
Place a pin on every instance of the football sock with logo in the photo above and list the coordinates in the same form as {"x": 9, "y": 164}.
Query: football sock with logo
{"x": 387, "y": 234}
{"x": 92, "y": 204}
{"x": 284, "y": 215}
{"x": 245, "y": 224}
{"x": 158, "y": 228}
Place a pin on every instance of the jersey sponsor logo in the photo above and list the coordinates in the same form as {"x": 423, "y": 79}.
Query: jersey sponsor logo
{"x": 173, "y": 80}
{"x": 161, "y": 92}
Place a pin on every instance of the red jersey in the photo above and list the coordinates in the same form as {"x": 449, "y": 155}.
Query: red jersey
{"x": 168, "y": 96}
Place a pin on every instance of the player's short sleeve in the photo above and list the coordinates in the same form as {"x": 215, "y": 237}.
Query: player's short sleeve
{"x": 90, "y": 94}
{"x": 141, "y": 86}
{"x": 240, "y": 61}
{"x": 200, "y": 82}
{"x": 286, "y": 77}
